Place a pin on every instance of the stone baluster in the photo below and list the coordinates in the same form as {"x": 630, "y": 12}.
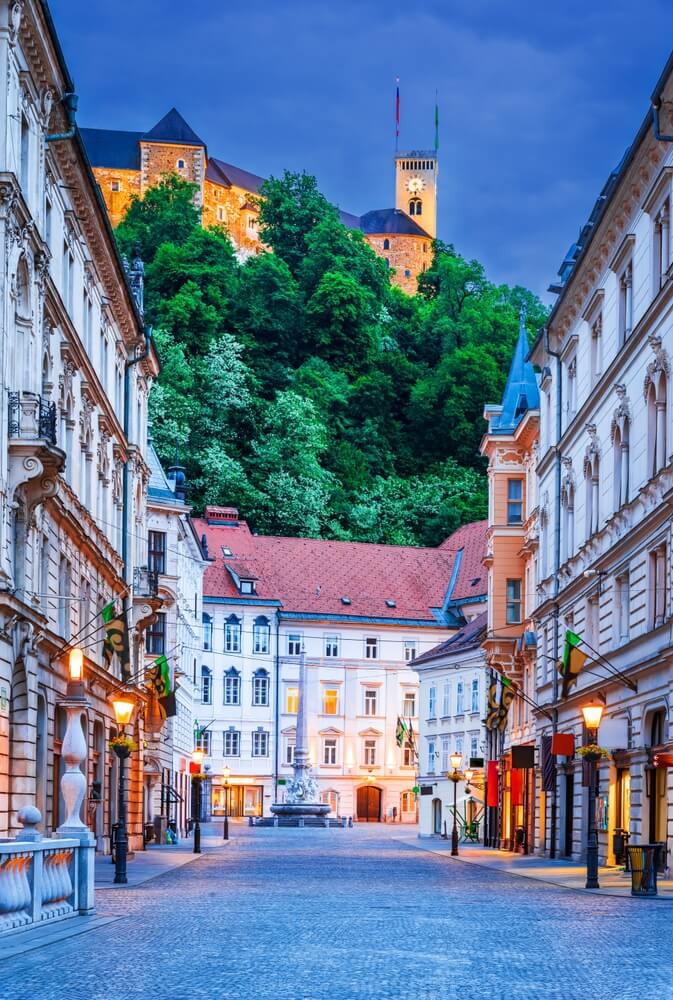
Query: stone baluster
{"x": 73, "y": 782}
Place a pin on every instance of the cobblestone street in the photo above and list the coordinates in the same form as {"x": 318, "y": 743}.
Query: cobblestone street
{"x": 313, "y": 914}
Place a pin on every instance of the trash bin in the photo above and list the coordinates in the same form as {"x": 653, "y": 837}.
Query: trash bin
{"x": 620, "y": 840}
{"x": 644, "y": 859}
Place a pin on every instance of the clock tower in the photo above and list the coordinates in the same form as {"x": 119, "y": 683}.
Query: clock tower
{"x": 416, "y": 187}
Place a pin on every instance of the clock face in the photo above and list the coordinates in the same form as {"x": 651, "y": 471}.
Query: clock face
{"x": 415, "y": 184}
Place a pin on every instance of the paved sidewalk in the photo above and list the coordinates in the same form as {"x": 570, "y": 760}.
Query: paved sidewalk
{"x": 559, "y": 873}
{"x": 158, "y": 859}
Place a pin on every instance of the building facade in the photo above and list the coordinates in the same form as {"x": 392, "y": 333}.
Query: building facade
{"x": 453, "y": 707}
{"x": 77, "y": 365}
{"x": 515, "y": 520}
{"x": 362, "y": 614}
{"x": 127, "y": 164}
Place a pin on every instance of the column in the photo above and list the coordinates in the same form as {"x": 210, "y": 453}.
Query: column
{"x": 628, "y": 300}
{"x": 594, "y": 504}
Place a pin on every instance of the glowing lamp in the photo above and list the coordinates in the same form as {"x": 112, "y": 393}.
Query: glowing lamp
{"x": 456, "y": 760}
{"x": 468, "y": 774}
{"x": 225, "y": 774}
{"x": 197, "y": 756}
{"x": 592, "y": 716}
{"x": 370, "y": 777}
{"x": 123, "y": 709}
{"x": 76, "y": 664}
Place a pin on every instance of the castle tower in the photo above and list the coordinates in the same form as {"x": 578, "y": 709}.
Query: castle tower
{"x": 416, "y": 187}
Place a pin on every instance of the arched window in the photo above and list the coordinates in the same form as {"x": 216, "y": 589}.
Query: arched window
{"x": 415, "y": 206}
{"x": 656, "y": 394}
{"x": 207, "y": 631}
{"x": 261, "y": 635}
{"x": 260, "y": 687}
{"x": 232, "y": 635}
{"x": 232, "y": 687}
{"x": 206, "y": 686}
{"x": 332, "y": 799}
{"x": 591, "y": 473}
{"x": 620, "y": 446}
{"x": 386, "y": 244}
{"x": 658, "y": 728}
{"x": 568, "y": 499}
{"x": 180, "y": 164}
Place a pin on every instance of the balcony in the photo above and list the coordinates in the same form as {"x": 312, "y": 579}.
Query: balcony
{"x": 34, "y": 459}
{"x": 146, "y": 599}
{"x": 145, "y": 582}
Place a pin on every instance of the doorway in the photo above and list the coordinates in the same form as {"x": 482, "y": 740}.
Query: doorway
{"x": 369, "y": 804}
{"x": 569, "y": 816}
{"x": 436, "y": 815}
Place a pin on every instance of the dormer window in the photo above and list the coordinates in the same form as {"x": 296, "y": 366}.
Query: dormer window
{"x": 226, "y": 551}
{"x": 390, "y": 603}
{"x": 345, "y": 600}
{"x": 247, "y": 586}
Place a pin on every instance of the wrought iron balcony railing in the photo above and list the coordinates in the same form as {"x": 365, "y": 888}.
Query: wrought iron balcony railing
{"x": 145, "y": 582}
{"x": 31, "y": 417}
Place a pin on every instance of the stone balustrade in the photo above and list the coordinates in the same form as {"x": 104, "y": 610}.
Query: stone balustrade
{"x": 43, "y": 880}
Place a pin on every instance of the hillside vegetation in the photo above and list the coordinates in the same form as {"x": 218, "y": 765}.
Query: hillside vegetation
{"x": 302, "y": 387}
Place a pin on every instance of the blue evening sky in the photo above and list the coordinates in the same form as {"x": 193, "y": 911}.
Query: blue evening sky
{"x": 537, "y": 101}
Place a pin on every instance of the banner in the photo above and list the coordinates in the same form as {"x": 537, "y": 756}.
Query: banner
{"x": 506, "y": 698}
{"x": 491, "y": 719}
{"x": 572, "y": 661}
{"x": 400, "y": 731}
{"x": 492, "y": 791}
{"x": 116, "y": 642}
{"x": 159, "y": 675}
{"x": 548, "y": 765}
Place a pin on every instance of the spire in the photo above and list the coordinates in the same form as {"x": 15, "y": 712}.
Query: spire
{"x": 521, "y": 391}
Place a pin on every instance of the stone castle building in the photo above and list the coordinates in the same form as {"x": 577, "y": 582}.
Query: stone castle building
{"x": 127, "y": 164}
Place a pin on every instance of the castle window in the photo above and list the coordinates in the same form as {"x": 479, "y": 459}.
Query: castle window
{"x": 387, "y": 262}
{"x": 115, "y": 186}
{"x": 221, "y": 214}
{"x": 386, "y": 244}
{"x": 415, "y": 206}
{"x": 180, "y": 164}
{"x": 407, "y": 274}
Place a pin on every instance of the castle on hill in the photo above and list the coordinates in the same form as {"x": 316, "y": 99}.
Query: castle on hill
{"x": 129, "y": 163}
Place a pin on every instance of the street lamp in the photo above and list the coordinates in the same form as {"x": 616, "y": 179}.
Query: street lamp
{"x": 197, "y": 759}
{"x": 592, "y": 720}
{"x": 468, "y": 778}
{"x": 456, "y": 760}
{"x": 123, "y": 709}
{"x": 225, "y": 780}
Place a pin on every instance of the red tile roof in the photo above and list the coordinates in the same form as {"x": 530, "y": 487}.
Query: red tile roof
{"x": 469, "y": 636}
{"x": 313, "y": 575}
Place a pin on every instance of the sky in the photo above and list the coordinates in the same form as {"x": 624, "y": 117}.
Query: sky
{"x": 537, "y": 102}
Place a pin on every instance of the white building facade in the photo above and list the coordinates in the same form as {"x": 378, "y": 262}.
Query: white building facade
{"x": 606, "y": 361}
{"x": 77, "y": 365}
{"x": 348, "y": 606}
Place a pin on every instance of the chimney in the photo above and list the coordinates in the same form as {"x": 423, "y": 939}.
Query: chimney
{"x": 222, "y": 515}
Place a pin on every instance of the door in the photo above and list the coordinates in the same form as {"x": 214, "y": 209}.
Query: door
{"x": 369, "y": 804}
{"x": 436, "y": 815}
{"x": 657, "y": 811}
{"x": 569, "y": 804}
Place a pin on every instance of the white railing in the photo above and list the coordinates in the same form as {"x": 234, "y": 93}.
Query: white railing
{"x": 43, "y": 879}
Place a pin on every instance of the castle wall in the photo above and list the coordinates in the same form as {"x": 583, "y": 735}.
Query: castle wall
{"x": 408, "y": 257}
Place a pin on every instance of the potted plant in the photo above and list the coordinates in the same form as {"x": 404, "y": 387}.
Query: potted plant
{"x": 123, "y": 746}
{"x": 592, "y": 752}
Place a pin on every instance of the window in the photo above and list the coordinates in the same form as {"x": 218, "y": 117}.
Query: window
{"x": 67, "y": 276}
{"x": 329, "y": 750}
{"x": 330, "y": 701}
{"x": 156, "y": 635}
{"x": 386, "y": 244}
{"x": 620, "y": 447}
{"x": 247, "y": 586}
{"x": 513, "y": 608}
{"x": 260, "y": 688}
{"x": 656, "y": 421}
{"x": 221, "y": 213}
{"x": 445, "y": 753}
{"x": 180, "y": 164}
{"x": 232, "y": 743}
{"x": 207, "y": 631}
{"x": 47, "y": 223}
{"x": 661, "y": 236}
{"x": 432, "y": 701}
{"x": 331, "y": 645}
{"x": 370, "y": 752}
{"x": 460, "y": 698}
{"x": 331, "y": 798}
{"x": 115, "y": 186}
{"x": 459, "y": 744}
{"x": 415, "y": 206}
{"x": 260, "y": 744}
{"x": 371, "y": 648}
{"x": 596, "y": 348}
{"x": 514, "y": 501}
{"x": 290, "y": 744}
{"x": 293, "y": 645}
{"x": 292, "y": 699}
{"x": 658, "y": 586}
{"x": 64, "y": 584}
{"x": 202, "y": 742}
{"x": 409, "y": 755}
{"x": 592, "y": 472}
{"x": 25, "y": 151}
{"x": 206, "y": 686}
{"x": 622, "y": 595}
{"x": 431, "y": 757}
{"x": 571, "y": 389}
{"x": 407, "y": 802}
{"x": 371, "y": 699}
{"x": 232, "y": 687}
{"x": 261, "y": 635}
{"x": 407, "y": 273}
{"x": 156, "y": 552}
{"x": 568, "y": 502}
{"x": 625, "y": 303}
{"x": 446, "y": 698}
{"x": 474, "y": 746}
{"x": 474, "y": 702}
{"x": 409, "y": 704}
{"x": 232, "y": 635}
{"x": 410, "y": 648}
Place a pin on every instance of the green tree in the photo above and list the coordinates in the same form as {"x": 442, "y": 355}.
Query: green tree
{"x": 167, "y": 214}
{"x": 289, "y": 208}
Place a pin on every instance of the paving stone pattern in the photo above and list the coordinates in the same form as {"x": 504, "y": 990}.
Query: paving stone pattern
{"x": 331, "y": 914}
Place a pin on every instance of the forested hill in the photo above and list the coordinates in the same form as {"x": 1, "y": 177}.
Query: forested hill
{"x": 301, "y": 387}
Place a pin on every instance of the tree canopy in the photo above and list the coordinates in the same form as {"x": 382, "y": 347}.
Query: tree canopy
{"x": 305, "y": 388}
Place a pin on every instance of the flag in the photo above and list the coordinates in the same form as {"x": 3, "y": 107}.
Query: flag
{"x": 493, "y": 706}
{"x": 116, "y": 642}
{"x": 571, "y": 662}
{"x": 548, "y": 765}
{"x": 397, "y": 110}
{"x": 400, "y": 731}
{"x": 159, "y": 674}
{"x": 167, "y": 705}
{"x": 436, "y": 125}
{"x": 507, "y": 693}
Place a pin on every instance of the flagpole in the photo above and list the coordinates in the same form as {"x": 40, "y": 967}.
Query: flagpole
{"x": 397, "y": 116}
{"x": 69, "y": 643}
{"x": 615, "y": 672}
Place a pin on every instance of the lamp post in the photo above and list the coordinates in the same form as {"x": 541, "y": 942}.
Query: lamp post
{"x": 456, "y": 760}
{"x": 592, "y": 720}
{"x": 123, "y": 709}
{"x": 225, "y": 776}
{"x": 197, "y": 758}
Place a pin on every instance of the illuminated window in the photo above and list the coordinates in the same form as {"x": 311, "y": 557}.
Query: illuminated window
{"x": 409, "y": 705}
{"x": 292, "y": 700}
{"x": 330, "y": 701}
